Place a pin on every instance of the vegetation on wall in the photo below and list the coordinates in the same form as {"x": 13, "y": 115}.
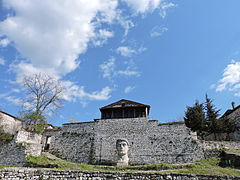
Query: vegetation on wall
{"x": 204, "y": 119}
{"x": 5, "y": 137}
{"x": 33, "y": 121}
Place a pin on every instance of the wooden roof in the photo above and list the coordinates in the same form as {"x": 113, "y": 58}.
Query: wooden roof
{"x": 124, "y": 103}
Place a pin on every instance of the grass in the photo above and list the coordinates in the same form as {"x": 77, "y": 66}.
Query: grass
{"x": 234, "y": 151}
{"x": 202, "y": 167}
{"x": 3, "y": 166}
{"x": 207, "y": 167}
{"x": 65, "y": 165}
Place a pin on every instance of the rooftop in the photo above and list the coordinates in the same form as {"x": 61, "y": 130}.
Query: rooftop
{"x": 124, "y": 103}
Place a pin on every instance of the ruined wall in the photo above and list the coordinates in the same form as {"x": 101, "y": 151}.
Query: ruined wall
{"x": 149, "y": 142}
{"x": 31, "y": 141}
{"x": 9, "y": 124}
{"x": 74, "y": 143}
{"x": 12, "y": 153}
{"x": 16, "y": 151}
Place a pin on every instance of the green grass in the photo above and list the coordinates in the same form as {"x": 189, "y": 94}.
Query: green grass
{"x": 62, "y": 164}
{"x": 3, "y": 166}
{"x": 66, "y": 165}
{"x": 203, "y": 167}
{"x": 207, "y": 167}
{"x": 234, "y": 151}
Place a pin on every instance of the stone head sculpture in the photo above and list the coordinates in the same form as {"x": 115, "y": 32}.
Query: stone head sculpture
{"x": 122, "y": 146}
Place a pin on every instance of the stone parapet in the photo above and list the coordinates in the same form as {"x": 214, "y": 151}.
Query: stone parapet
{"x": 46, "y": 174}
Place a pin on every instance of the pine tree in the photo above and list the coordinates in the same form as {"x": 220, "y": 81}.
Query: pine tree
{"x": 195, "y": 117}
{"x": 211, "y": 116}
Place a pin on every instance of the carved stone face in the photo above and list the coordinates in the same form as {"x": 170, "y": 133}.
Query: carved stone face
{"x": 122, "y": 147}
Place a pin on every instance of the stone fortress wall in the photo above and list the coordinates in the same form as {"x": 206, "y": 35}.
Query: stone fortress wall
{"x": 94, "y": 142}
{"x": 9, "y": 123}
{"x": 14, "y": 152}
{"x": 149, "y": 142}
{"x": 23, "y": 144}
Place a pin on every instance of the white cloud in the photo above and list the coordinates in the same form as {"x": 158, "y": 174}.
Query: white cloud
{"x": 128, "y": 51}
{"x": 52, "y": 34}
{"x": 22, "y": 69}
{"x": 231, "y": 78}
{"x": 14, "y": 100}
{"x": 158, "y": 31}
{"x": 126, "y": 23}
{"x": 2, "y": 61}
{"x": 74, "y": 92}
{"x": 108, "y": 68}
{"x": 129, "y": 89}
{"x": 125, "y": 51}
{"x": 128, "y": 72}
{"x": 102, "y": 37}
{"x": 142, "y": 6}
{"x": 164, "y": 7}
{"x": 4, "y": 42}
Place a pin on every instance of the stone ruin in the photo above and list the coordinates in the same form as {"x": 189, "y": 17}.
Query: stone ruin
{"x": 123, "y": 135}
{"x": 148, "y": 141}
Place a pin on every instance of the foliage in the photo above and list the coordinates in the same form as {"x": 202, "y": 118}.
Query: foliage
{"x": 203, "y": 118}
{"x": 211, "y": 115}
{"x": 34, "y": 122}
{"x": 4, "y": 136}
{"x": 195, "y": 117}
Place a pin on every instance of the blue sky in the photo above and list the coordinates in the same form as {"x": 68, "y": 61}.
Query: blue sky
{"x": 164, "y": 53}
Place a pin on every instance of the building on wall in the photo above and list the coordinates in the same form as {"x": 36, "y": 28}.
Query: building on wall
{"x": 149, "y": 141}
{"x": 234, "y": 115}
{"x": 124, "y": 109}
{"x": 9, "y": 123}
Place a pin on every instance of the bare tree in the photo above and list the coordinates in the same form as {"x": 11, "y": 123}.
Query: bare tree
{"x": 44, "y": 93}
{"x": 43, "y": 96}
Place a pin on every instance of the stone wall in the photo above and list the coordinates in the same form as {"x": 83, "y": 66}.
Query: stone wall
{"x": 149, "y": 142}
{"x": 211, "y": 145}
{"x": 44, "y": 174}
{"x": 73, "y": 144}
{"x": 9, "y": 123}
{"x": 12, "y": 153}
{"x": 31, "y": 141}
{"x": 16, "y": 151}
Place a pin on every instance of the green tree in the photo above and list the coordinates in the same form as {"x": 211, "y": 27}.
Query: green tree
{"x": 212, "y": 116}
{"x": 204, "y": 119}
{"x": 195, "y": 117}
{"x": 34, "y": 121}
